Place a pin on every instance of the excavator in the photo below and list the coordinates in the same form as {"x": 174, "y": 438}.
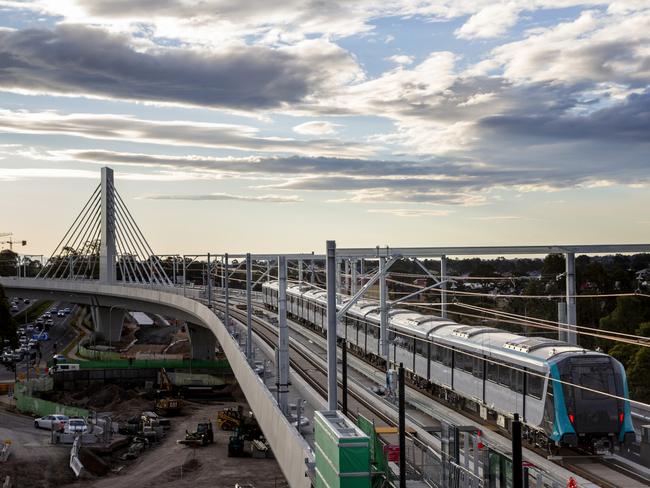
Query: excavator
{"x": 166, "y": 402}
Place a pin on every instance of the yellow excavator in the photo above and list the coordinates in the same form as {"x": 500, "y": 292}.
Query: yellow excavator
{"x": 166, "y": 402}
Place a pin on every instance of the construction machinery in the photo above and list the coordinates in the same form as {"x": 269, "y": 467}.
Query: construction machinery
{"x": 230, "y": 418}
{"x": 234, "y": 418}
{"x": 167, "y": 402}
{"x": 236, "y": 444}
{"x": 202, "y": 436}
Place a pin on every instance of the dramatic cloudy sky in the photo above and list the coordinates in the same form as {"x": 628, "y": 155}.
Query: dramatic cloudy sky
{"x": 274, "y": 125}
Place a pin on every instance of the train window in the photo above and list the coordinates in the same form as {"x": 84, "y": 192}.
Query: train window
{"x": 492, "y": 371}
{"x": 421, "y": 347}
{"x": 463, "y": 362}
{"x": 446, "y": 356}
{"x": 517, "y": 381}
{"x": 504, "y": 375}
{"x": 435, "y": 353}
{"x": 477, "y": 367}
{"x": 534, "y": 385}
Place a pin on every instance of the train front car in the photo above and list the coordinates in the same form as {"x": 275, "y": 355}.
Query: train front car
{"x": 584, "y": 416}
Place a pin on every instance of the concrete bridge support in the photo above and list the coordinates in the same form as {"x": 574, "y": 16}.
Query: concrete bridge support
{"x": 203, "y": 342}
{"x": 108, "y": 322}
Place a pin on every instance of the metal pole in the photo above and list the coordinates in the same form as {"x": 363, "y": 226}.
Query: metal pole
{"x": 344, "y": 379}
{"x": 223, "y": 274}
{"x": 383, "y": 312}
{"x": 283, "y": 337}
{"x": 226, "y": 294}
{"x": 312, "y": 277}
{"x": 402, "y": 429}
{"x": 174, "y": 269}
{"x": 571, "y": 298}
{"x": 443, "y": 286}
{"x": 561, "y": 318}
{"x": 331, "y": 326}
{"x": 517, "y": 475}
{"x": 338, "y": 281}
{"x": 184, "y": 274}
{"x": 353, "y": 280}
{"x": 249, "y": 309}
{"x": 347, "y": 277}
{"x": 209, "y": 276}
{"x": 300, "y": 271}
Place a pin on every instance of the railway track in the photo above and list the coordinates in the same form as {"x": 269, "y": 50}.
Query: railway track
{"x": 598, "y": 470}
{"x": 313, "y": 372}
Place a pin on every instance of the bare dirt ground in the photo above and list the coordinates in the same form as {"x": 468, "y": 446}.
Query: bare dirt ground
{"x": 105, "y": 398}
{"x": 172, "y": 465}
{"x": 34, "y": 462}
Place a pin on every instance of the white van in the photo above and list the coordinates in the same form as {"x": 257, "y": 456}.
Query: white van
{"x": 64, "y": 367}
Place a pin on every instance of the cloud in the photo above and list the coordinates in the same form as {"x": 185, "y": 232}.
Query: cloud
{"x": 316, "y": 128}
{"x": 491, "y": 21}
{"x": 175, "y": 133}
{"x": 401, "y": 59}
{"x": 227, "y": 196}
{"x": 410, "y": 212}
{"x": 82, "y": 61}
{"x": 497, "y": 218}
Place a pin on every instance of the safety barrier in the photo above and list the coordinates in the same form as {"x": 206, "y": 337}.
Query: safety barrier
{"x": 5, "y": 451}
{"x": 30, "y": 404}
{"x": 75, "y": 464}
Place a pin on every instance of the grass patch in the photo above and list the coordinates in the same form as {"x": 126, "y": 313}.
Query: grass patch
{"x": 33, "y": 312}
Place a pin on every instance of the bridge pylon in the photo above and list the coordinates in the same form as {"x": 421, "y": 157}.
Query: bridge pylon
{"x": 107, "y": 250}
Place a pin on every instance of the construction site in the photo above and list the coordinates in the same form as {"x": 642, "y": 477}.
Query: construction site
{"x": 139, "y": 412}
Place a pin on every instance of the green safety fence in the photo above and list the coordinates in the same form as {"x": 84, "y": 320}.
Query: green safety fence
{"x": 378, "y": 462}
{"x": 29, "y": 404}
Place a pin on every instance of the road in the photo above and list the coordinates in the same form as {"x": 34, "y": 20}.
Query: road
{"x": 60, "y": 334}
{"x": 34, "y": 462}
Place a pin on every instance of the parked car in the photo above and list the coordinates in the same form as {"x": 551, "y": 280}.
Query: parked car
{"x": 51, "y": 422}
{"x": 76, "y": 425}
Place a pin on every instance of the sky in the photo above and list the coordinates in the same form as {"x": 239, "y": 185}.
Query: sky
{"x": 272, "y": 126}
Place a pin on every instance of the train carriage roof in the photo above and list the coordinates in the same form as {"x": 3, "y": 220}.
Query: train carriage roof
{"x": 524, "y": 350}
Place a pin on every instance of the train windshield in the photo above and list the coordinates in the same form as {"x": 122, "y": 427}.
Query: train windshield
{"x": 587, "y": 408}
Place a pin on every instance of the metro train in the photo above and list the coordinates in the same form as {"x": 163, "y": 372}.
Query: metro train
{"x": 487, "y": 371}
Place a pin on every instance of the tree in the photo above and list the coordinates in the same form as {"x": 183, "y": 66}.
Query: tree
{"x": 7, "y": 324}
{"x": 8, "y": 262}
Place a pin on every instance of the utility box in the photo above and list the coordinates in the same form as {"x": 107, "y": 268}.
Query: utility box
{"x": 342, "y": 452}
